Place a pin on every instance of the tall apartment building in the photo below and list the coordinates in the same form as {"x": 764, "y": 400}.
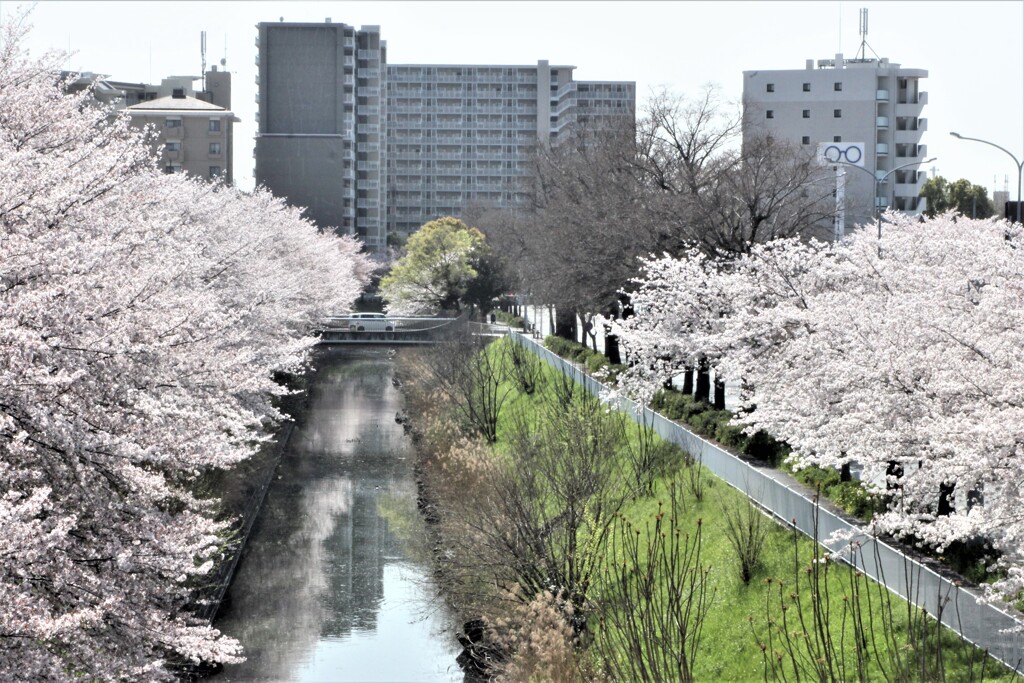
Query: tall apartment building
{"x": 322, "y": 122}
{"x": 464, "y": 134}
{"x": 864, "y": 111}
{"x": 377, "y": 149}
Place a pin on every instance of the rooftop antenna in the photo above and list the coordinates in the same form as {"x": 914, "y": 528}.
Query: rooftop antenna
{"x": 202, "y": 50}
{"x": 863, "y": 29}
{"x": 224, "y": 59}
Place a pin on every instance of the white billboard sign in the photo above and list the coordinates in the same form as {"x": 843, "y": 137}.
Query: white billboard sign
{"x": 841, "y": 152}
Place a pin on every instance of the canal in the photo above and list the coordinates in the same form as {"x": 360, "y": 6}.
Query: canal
{"x": 334, "y": 582}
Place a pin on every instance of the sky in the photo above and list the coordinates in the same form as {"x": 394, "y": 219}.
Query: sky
{"x": 973, "y": 52}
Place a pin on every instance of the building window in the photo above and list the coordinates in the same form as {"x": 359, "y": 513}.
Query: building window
{"x": 173, "y": 123}
{"x": 807, "y": 87}
{"x": 807, "y": 113}
{"x": 837, "y": 113}
{"x": 214, "y": 148}
{"x": 838, "y": 86}
{"x": 770, "y": 114}
{"x": 172, "y": 146}
{"x": 214, "y": 171}
{"x": 172, "y": 168}
{"x": 805, "y": 140}
{"x": 837, "y": 138}
{"x": 771, "y": 87}
{"x": 214, "y": 125}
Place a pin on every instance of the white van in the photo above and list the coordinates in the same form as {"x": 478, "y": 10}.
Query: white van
{"x": 370, "y": 322}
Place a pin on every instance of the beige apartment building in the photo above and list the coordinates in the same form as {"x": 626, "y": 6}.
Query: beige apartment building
{"x": 193, "y": 136}
{"x": 194, "y": 127}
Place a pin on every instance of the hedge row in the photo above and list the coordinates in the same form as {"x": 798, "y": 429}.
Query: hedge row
{"x": 506, "y": 318}
{"x": 714, "y": 424}
{"x": 593, "y": 361}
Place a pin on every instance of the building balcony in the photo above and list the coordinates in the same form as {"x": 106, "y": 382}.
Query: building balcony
{"x": 881, "y": 149}
{"x": 910, "y": 98}
{"x": 882, "y": 95}
{"x": 911, "y": 124}
{"x": 911, "y": 108}
{"x": 907, "y": 136}
{"x": 911, "y": 151}
{"x": 881, "y": 122}
{"x": 912, "y": 204}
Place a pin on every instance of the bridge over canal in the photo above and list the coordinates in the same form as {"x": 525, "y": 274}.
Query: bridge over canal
{"x": 386, "y": 330}
{"x": 356, "y": 330}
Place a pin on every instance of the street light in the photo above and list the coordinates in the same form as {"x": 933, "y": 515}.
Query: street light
{"x": 1020, "y": 164}
{"x": 878, "y": 183}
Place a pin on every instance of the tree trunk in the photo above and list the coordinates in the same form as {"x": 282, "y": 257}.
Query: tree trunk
{"x": 611, "y": 346}
{"x": 688, "y": 381}
{"x": 719, "y": 402}
{"x": 844, "y": 472}
{"x": 565, "y": 324}
{"x": 588, "y": 332}
{"x": 703, "y": 381}
{"x": 946, "y": 500}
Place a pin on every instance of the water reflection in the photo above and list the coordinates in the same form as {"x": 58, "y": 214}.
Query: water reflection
{"x": 329, "y": 588}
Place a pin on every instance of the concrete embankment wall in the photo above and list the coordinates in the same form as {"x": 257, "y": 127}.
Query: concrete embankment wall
{"x": 213, "y": 595}
{"x": 999, "y": 631}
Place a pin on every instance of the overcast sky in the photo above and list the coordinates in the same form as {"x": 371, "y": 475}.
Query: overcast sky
{"x": 974, "y": 52}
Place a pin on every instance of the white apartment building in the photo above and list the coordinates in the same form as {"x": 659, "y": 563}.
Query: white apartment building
{"x": 465, "y": 134}
{"x": 376, "y": 149}
{"x": 865, "y": 111}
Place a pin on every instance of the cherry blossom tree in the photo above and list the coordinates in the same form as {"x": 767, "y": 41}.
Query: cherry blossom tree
{"x": 142, "y": 317}
{"x": 904, "y": 356}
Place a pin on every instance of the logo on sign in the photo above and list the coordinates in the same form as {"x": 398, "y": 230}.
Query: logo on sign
{"x": 841, "y": 153}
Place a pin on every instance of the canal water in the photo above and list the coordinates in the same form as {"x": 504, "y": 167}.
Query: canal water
{"x": 334, "y": 582}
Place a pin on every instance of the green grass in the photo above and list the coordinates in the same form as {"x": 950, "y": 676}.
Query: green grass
{"x": 729, "y": 648}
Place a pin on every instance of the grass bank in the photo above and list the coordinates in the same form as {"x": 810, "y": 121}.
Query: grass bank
{"x": 661, "y": 571}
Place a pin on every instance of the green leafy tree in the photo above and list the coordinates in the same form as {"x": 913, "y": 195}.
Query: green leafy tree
{"x": 960, "y": 196}
{"x": 440, "y": 263}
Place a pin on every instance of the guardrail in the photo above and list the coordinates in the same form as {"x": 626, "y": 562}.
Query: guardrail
{"x": 402, "y": 330}
{"x": 987, "y": 626}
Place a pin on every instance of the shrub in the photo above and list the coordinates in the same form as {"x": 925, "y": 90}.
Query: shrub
{"x": 707, "y": 422}
{"x": 817, "y": 477}
{"x": 508, "y": 319}
{"x": 731, "y": 436}
{"x": 852, "y": 497}
{"x": 596, "y": 361}
{"x": 677, "y": 406}
{"x": 766, "y": 448}
{"x": 747, "y": 530}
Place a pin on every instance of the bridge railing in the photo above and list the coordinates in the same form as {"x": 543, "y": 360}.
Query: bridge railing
{"x": 344, "y": 329}
{"x": 986, "y": 625}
